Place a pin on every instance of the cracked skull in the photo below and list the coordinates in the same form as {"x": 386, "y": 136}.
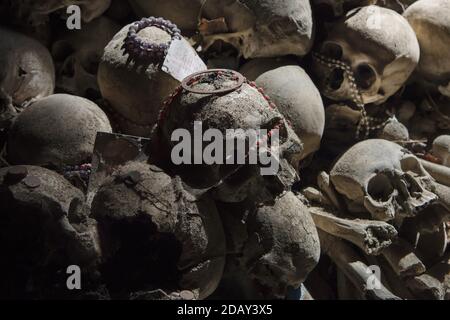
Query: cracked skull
{"x": 384, "y": 179}
{"x": 259, "y": 29}
{"x": 27, "y": 73}
{"x": 155, "y": 236}
{"x": 368, "y": 55}
{"x": 77, "y": 54}
{"x": 228, "y": 116}
{"x": 56, "y": 131}
{"x": 44, "y": 228}
{"x": 270, "y": 256}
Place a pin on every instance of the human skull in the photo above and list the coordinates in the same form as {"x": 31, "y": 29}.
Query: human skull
{"x": 134, "y": 91}
{"x": 56, "y": 131}
{"x": 383, "y": 178}
{"x": 27, "y": 71}
{"x": 156, "y": 236}
{"x": 38, "y": 11}
{"x": 44, "y": 228}
{"x": 240, "y": 107}
{"x": 299, "y": 101}
{"x": 337, "y": 8}
{"x": 431, "y": 22}
{"x": 441, "y": 149}
{"x": 368, "y": 55}
{"x": 275, "y": 246}
{"x": 77, "y": 54}
{"x": 259, "y": 29}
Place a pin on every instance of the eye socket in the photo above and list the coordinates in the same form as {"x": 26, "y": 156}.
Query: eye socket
{"x": 365, "y": 76}
{"x": 91, "y": 63}
{"x": 380, "y": 188}
{"x": 61, "y": 50}
{"x": 332, "y": 50}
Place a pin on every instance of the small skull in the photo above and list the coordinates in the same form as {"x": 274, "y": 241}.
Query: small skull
{"x": 77, "y": 54}
{"x": 441, "y": 149}
{"x": 368, "y": 55}
{"x": 56, "y": 131}
{"x": 383, "y": 178}
{"x": 302, "y": 108}
{"x": 431, "y": 22}
{"x": 259, "y": 29}
{"x": 274, "y": 246}
{"x": 155, "y": 236}
{"x": 44, "y": 228}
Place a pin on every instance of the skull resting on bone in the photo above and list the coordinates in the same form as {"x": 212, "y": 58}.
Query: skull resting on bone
{"x": 382, "y": 178}
{"x": 270, "y": 248}
{"x": 377, "y": 45}
{"x": 56, "y": 131}
{"x": 44, "y": 228}
{"x": 259, "y": 29}
{"x": 155, "y": 236}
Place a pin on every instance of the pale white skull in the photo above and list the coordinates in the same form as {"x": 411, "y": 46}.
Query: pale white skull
{"x": 262, "y": 28}
{"x": 431, "y": 22}
{"x": 373, "y": 50}
{"x": 441, "y": 149}
{"x": 384, "y": 179}
{"x": 77, "y": 54}
{"x": 299, "y": 101}
{"x": 56, "y": 131}
{"x": 338, "y": 8}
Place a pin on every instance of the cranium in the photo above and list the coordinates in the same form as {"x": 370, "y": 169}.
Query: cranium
{"x": 56, "y": 131}
{"x": 383, "y": 178}
{"x": 155, "y": 236}
{"x": 431, "y": 22}
{"x": 77, "y": 54}
{"x": 337, "y": 8}
{"x": 298, "y": 99}
{"x": 441, "y": 149}
{"x": 368, "y": 55}
{"x": 262, "y": 28}
{"x": 135, "y": 91}
{"x": 27, "y": 72}
{"x": 270, "y": 256}
{"x": 44, "y": 228}
{"x": 239, "y": 107}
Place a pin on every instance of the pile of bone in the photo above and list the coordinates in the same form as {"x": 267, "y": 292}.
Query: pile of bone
{"x": 358, "y": 92}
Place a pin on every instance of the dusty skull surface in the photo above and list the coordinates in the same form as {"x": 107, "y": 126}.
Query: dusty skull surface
{"x": 77, "y": 54}
{"x": 259, "y": 28}
{"x": 431, "y": 22}
{"x": 44, "y": 228}
{"x": 298, "y": 99}
{"x": 230, "y": 115}
{"x": 270, "y": 256}
{"x": 441, "y": 149}
{"x": 27, "y": 72}
{"x": 382, "y": 178}
{"x": 56, "y": 131}
{"x": 368, "y": 55}
{"x": 156, "y": 236}
{"x": 134, "y": 90}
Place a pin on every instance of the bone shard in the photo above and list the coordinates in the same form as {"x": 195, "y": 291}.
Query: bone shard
{"x": 403, "y": 260}
{"x": 370, "y": 236}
